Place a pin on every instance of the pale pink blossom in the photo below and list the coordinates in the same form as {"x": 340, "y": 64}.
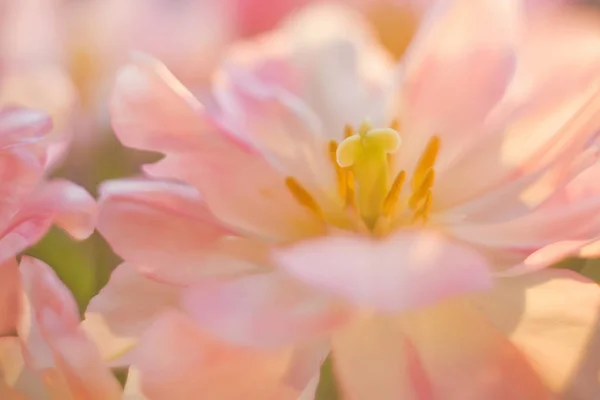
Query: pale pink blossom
{"x": 51, "y": 358}
{"x": 332, "y": 201}
{"x": 32, "y": 65}
{"x": 30, "y": 203}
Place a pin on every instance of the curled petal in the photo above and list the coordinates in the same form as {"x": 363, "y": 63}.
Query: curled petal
{"x": 53, "y": 339}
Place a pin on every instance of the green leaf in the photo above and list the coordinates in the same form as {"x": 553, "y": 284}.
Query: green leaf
{"x": 327, "y": 389}
{"x": 591, "y": 270}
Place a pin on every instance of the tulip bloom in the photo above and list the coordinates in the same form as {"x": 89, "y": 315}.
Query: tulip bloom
{"x": 385, "y": 215}
{"x": 30, "y": 203}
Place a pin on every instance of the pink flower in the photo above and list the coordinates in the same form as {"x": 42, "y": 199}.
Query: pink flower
{"x": 32, "y": 67}
{"x": 334, "y": 202}
{"x": 30, "y": 204}
{"x": 51, "y": 357}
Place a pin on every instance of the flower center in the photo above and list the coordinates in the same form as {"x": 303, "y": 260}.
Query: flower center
{"x": 367, "y": 184}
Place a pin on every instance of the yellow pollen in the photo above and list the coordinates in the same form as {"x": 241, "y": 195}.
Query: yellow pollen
{"x": 426, "y": 162}
{"x": 420, "y": 193}
{"x": 423, "y": 212}
{"x": 390, "y": 201}
{"x": 303, "y": 196}
{"x": 395, "y": 125}
{"x": 350, "y": 201}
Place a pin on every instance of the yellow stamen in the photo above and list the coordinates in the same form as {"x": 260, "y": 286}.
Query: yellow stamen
{"x": 341, "y": 174}
{"x": 395, "y": 125}
{"x": 421, "y": 192}
{"x": 348, "y": 131}
{"x": 302, "y": 195}
{"x": 426, "y": 162}
{"x": 350, "y": 193}
{"x": 423, "y": 212}
{"x": 391, "y": 199}
{"x": 367, "y": 154}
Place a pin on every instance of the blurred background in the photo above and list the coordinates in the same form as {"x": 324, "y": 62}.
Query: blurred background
{"x": 61, "y": 56}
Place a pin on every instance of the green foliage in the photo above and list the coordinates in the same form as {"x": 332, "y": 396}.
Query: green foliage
{"x": 327, "y": 389}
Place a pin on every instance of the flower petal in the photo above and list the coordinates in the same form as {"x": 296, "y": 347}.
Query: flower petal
{"x": 17, "y": 382}
{"x": 176, "y": 360}
{"x": 10, "y": 285}
{"x": 52, "y": 327}
{"x": 22, "y": 125}
{"x": 243, "y": 191}
{"x": 167, "y": 231}
{"x": 58, "y": 201}
{"x": 386, "y": 375}
{"x": 152, "y": 110}
{"x": 461, "y": 62}
{"x": 124, "y": 309}
{"x": 21, "y": 169}
{"x": 552, "y": 316}
{"x": 408, "y": 270}
{"x": 465, "y": 357}
{"x": 73, "y": 207}
{"x": 265, "y": 310}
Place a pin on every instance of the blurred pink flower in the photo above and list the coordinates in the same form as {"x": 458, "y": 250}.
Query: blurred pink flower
{"x": 346, "y": 205}
{"x": 32, "y": 66}
{"x": 30, "y": 204}
{"x": 51, "y": 357}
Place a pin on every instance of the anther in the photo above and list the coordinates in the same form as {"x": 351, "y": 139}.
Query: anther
{"x": 423, "y": 212}
{"x": 421, "y": 192}
{"x": 348, "y": 131}
{"x": 302, "y": 195}
{"x": 393, "y": 195}
{"x": 426, "y": 162}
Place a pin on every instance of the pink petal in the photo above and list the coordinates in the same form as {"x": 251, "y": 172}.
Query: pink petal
{"x": 461, "y": 62}
{"x": 22, "y": 125}
{"x": 552, "y": 317}
{"x": 17, "y": 382}
{"x": 544, "y": 72}
{"x": 177, "y": 361}
{"x": 286, "y": 132}
{"x": 265, "y": 310}
{"x": 535, "y": 230}
{"x": 243, "y": 191}
{"x": 58, "y": 201}
{"x": 21, "y": 169}
{"x": 370, "y": 361}
{"x": 408, "y": 270}
{"x": 152, "y": 110}
{"x": 337, "y": 68}
{"x": 9, "y": 296}
{"x": 124, "y": 309}
{"x": 73, "y": 207}
{"x": 53, "y": 325}
{"x": 464, "y": 357}
{"x": 167, "y": 231}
